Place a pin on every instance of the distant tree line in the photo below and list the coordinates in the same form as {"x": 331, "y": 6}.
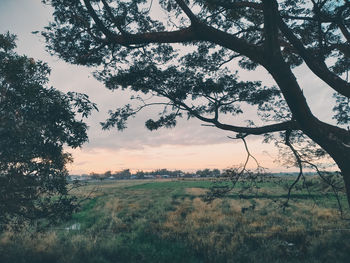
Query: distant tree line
{"x": 158, "y": 173}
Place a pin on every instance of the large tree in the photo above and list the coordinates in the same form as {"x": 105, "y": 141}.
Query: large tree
{"x": 188, "y": 50}
{"x": 36, "y": 122}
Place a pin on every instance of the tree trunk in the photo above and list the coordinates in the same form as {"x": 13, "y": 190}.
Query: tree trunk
{"x": 334, "y": 140}
{"x": 342, "y": 159}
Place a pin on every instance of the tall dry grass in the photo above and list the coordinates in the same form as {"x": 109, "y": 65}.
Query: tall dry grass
{"x": 165, "y": 222}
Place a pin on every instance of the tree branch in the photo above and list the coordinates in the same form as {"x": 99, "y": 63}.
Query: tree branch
{"x": 299, "y": 162}
{"x": 188, "y": 12}
{"x": 241, "y": 4}
{"x": 178, "y": 36}
{"x": 249, "y": 155}
{"x": 114, "y": 19}
{"x": 320, "y": 69}
{"x": 345, "y": 31}
{"x": 334, "y": 187}
{"x": 271, "y": 43}
{"x": 97, "y": 21}
{"x": 258, "y": 130}
{"x": 239, "y": 129}
{"x": 207, "y": 33}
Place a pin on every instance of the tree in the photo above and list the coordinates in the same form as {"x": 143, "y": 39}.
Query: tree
{"x": 35, "y": 124}
{"x": 184, "y": 59}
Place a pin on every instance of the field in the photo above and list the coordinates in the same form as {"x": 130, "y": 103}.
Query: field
{"x": 168, "y": 221}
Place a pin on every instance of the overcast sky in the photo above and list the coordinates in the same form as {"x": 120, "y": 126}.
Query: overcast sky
{"x": 188, "y": 146}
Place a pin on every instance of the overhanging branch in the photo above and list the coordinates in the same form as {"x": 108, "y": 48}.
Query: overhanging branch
{"x": 283, "y": 126}
{"x": 320, "y": 69}
{"x": 198, "y": 31}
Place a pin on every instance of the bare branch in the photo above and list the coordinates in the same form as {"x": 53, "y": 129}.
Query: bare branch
{"x": 299, "y": 162}
{"x": 235, "y": 174}
{"x": 249, "y": 155}
{"x": 335, "y": 188}
{"x": 228, "y": 60}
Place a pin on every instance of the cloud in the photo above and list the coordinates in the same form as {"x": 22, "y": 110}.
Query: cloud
{"x": 188, "y": 145}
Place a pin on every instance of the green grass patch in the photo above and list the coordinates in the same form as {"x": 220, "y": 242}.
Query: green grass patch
{"x": 168, "y": 221}
{"x": 172, "y": 185}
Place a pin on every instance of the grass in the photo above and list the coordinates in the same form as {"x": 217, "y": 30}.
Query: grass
{"x": 172, "y": 185}
{"x": 168, "y": 221}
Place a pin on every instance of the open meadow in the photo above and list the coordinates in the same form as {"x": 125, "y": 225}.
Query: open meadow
{"x": 167, "y": 220}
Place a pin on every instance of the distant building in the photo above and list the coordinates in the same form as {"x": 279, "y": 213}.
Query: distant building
{"x": 83, "y": 177}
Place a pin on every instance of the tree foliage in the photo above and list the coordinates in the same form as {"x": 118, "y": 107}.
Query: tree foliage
{"x": 36, "y": 122}
{"x": 188, "y": 53}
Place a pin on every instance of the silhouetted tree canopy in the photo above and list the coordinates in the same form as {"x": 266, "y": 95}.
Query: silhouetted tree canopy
{"x": 35, "y": 123}
{"x": 187, "y": 53}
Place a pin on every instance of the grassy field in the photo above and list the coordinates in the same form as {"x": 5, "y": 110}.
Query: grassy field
{"x": 168, "y": 221}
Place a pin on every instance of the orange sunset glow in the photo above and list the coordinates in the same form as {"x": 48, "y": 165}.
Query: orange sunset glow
{"x": 187, "y": 158}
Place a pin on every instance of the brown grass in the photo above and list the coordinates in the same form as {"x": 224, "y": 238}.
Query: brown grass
{"x": 196, "y": 191}
{"x": 113, "y": 205}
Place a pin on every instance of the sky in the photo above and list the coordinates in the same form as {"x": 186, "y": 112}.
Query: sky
{"x": 189, "y": 146}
